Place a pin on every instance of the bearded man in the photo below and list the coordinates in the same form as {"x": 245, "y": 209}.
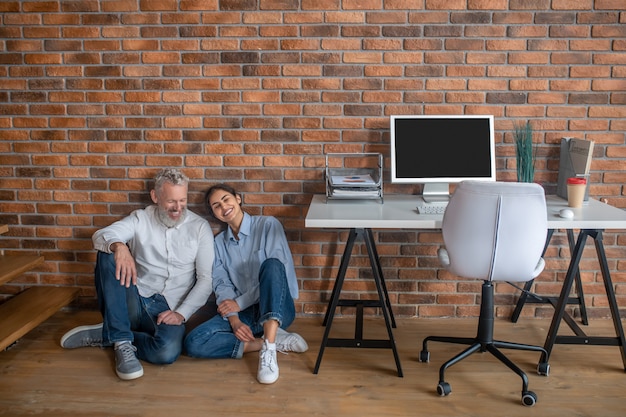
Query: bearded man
{"x": 153, "y": 271}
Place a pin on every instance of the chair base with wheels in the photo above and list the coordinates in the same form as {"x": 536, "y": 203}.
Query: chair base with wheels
{"x": 484, "y": 342}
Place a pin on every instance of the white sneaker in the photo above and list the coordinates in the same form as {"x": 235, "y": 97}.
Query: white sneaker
{"x": 290, "y": 342}
{"x": 268, "y": 366}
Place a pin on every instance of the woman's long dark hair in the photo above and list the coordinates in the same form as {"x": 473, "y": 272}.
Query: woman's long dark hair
{"x": 210, "y": 192}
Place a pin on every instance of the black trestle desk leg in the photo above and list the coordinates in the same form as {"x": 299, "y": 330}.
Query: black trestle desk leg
{"x": 374, "y": 259}
{"x": 580, "y": 338}
{"x": 383, "y": 302}
{"x": 528, "y": 297}
{"x": 610, "y": 293}
{"x": 528, "y": 285}
{"x": 383, "y": 296}
{"x": 343, "y": 267}
{"x": 580, "y": 296}
{"x": 563, "y": 298}
{"x": 334, "y": 298}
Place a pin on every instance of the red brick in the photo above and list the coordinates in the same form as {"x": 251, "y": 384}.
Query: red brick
{"x": 259, "y": 105}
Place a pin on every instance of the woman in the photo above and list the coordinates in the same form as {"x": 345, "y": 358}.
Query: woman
{"x": 255, "y": 283}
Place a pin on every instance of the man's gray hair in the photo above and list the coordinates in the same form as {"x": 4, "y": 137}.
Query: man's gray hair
{"x": 171, "y": 175}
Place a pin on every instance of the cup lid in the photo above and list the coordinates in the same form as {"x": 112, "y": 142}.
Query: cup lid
{"x": 576, "y": 180}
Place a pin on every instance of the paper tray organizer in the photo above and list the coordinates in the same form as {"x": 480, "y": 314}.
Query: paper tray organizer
{"x": 354, "y": 176}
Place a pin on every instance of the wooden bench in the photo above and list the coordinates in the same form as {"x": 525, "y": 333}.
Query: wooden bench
{"x": 24, "y": 311}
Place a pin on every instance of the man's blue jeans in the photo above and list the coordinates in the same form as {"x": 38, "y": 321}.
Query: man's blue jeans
{"x": 215, "y": 339}
{"x": 129, "y": 316}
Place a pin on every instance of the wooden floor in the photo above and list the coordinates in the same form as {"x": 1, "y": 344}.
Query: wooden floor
{"x": 37, "y": 377}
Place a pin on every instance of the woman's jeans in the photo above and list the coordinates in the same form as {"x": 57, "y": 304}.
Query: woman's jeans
{"x": 129, "y": 316}
{"x": 215, "y": 339}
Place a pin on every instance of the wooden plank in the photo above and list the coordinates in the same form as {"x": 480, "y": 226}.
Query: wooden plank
{"x": 12, "y": 266}
{"x": 25, "y": 311}
{"x": 38, "y": 377}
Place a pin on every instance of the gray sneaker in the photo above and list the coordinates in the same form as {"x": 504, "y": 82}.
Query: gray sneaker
{"x": 127, "y": 366}
{"x": 83, "y": 336}
{"x": 290, "y": 342}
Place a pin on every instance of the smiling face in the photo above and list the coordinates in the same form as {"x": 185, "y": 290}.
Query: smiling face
{"x": 226, "y": 207}
{"x": 171, "y": 200}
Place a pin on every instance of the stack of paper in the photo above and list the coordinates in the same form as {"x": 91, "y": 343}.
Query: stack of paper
{"x": 362, "y": 185}
{"x": 352, "y": 180}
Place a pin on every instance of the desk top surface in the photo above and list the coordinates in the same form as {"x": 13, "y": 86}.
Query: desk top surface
{"x": 400, "y": 212}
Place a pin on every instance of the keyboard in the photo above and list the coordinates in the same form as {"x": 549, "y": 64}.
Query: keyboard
{"x": 432, "y": 208}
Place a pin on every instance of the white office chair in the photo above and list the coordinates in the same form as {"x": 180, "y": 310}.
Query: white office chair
{"x": 492, "y": 231}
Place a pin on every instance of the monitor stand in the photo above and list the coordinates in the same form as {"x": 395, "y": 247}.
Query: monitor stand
{"x": 438, "y": 192}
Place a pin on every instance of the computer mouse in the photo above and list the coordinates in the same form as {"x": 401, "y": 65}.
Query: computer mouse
{"x": 566, "y": 213}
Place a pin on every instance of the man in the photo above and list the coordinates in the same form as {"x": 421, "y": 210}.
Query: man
{"x": 153, "y": 271}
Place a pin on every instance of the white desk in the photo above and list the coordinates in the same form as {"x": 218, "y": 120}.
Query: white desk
{"x": 399, "y": 212}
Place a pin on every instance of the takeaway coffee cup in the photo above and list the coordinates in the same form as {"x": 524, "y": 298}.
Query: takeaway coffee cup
{"x": 576, "y": 188}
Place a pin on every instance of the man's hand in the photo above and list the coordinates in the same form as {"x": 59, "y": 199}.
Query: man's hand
{"x": 125, "y": 268}
{"x": 170, "y": 317}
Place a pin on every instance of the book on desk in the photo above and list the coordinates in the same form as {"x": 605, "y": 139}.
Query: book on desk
{"x": 575, "y": 161}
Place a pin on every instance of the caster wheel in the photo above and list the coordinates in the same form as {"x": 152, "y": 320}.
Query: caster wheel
{"x": 529, "y": 398}
{"x": 543, "y": 369}
{"x": 443, "y": 389}
{"x": 424, "y": 356}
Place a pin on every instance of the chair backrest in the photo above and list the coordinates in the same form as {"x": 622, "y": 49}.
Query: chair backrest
{"x": 495, "y": 230}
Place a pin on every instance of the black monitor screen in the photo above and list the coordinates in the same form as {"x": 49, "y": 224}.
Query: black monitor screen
{"x": 427, "y": 149}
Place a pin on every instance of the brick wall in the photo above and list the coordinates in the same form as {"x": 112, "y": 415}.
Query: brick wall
{"x": 95, "y": 96}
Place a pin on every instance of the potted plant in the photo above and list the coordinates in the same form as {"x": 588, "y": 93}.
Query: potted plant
{"x": 525, "y": 151}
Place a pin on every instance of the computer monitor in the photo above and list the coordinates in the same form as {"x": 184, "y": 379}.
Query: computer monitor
{"x": 439, "y": 150}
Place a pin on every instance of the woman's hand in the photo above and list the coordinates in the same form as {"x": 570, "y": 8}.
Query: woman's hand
{"x": 227, "y": 307}
{"x": 240, "y": 329}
